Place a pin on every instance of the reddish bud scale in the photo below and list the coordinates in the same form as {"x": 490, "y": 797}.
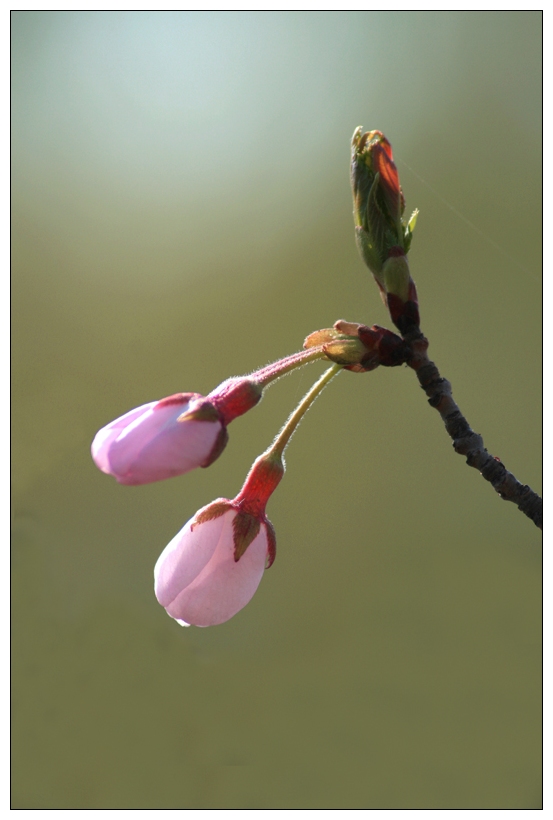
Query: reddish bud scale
{"x": 404, "y": 312}
{"x": 395, "y": 250}
{"x": 389, "y": 178}
{"x": 405, "y": 315}
{"x": 381, "y": 140}
{"x": 390, "y": 348}
{"x": 393, "y": 351}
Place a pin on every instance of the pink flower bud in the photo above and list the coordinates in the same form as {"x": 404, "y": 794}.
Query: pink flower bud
{"x": 213, "y": 566}
{"x": 150, "y": 443}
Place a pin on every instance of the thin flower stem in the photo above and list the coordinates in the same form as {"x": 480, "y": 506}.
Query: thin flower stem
{"x": 273, "y": 371}
{"x": 236, "y": 396}
{"x": 465, "y": 441}
{"x": 267, "y": 470}
{"x": 279, "y": 444}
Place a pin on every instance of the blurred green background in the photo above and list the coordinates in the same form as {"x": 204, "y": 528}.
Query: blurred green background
{"x": 182, "y": 213}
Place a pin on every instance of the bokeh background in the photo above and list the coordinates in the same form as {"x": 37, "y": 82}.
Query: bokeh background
{"x": 182, "y": 213}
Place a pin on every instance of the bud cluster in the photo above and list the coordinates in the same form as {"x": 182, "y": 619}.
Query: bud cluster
{"x": 212, "y": 567}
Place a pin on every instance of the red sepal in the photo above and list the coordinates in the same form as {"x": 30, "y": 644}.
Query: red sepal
{"x": 271, "y": 543}
{"x": 177, "y": 398}
{"x": 220, "y": 443}
{"x": 245, "y": 528}
{"x": 216, "y": 509}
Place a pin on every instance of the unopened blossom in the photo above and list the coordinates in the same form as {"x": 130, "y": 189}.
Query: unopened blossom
{"x": 172, "y": 436}
{"x": 213, "y": 566}
{"x": 154, "y": 441}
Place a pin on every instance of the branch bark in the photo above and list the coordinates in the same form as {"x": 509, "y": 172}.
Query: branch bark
{"x": 465, "y": 441}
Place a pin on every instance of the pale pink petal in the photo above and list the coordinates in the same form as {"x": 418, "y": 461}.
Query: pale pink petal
{"x": 224, "y": 586}
{"x": 187, "y": 554}
{"x": 108, "y": 434}
{"x": 149, "y": 444}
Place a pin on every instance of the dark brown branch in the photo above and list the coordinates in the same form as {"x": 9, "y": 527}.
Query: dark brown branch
{"x": 465, "y": 441}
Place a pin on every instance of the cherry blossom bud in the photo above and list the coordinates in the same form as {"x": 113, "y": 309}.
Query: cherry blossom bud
{"x": 154, "y": 441}
{"x": 166, "y": 438}
{"x": 213, "y": 566}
